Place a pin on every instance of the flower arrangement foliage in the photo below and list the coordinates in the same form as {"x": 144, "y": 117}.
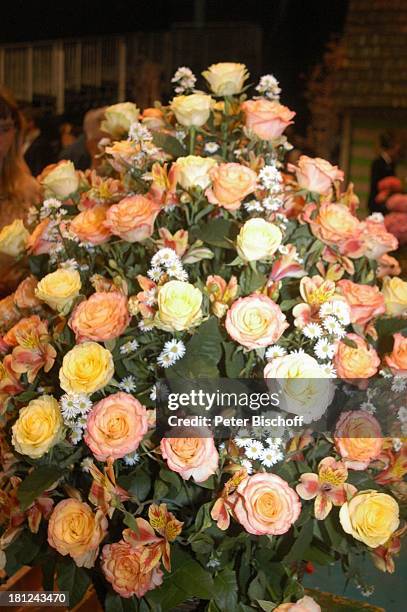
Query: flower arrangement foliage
{"x": 196, "y": 252}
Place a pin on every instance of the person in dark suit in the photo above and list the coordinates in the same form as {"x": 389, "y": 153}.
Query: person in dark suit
{"x": 37, "y": 149}
{"x": 383, "y": 166}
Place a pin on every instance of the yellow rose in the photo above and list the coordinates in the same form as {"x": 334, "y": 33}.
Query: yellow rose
{"x": 86, "y": 368}
{"x": 258, "y": 239}
{"x": 395, "y": 295}
{"x": 119, "y": 117}
{"x": 193, "y": 110}
{"x": 179, "y": 306}
{"x": 370, "y": 517}
{"x": 39, "y": 427}
{"x": 59, "y": 289}
{"x": 13, "y": 238}
{"x": 226, "y": 78}
{"x": 59, "y": 180}
{"x": 193, "y": 171}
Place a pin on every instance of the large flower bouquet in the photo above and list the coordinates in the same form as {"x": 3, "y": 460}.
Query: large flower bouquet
{"x": 194, "y": 252}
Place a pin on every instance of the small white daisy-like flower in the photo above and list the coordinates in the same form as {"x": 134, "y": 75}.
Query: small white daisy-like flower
{"x": 270, "y": 176}
{"x": 176, "y": 270}
{"x": 324, "y": 349}
{"x": 128, "y": 384}
{"x": 166, "y": 360}
{"x": 341, "y": 310}
{"x": 247, "y": 464}
{"x": 254, "y": 449}
{"x": 312, "y": 330}
{"x": 397, "y": 444}
{"x": 269, "y": 87}
{"x": 213, "y": 563}
{"x": 69, "y": 264}
{"x": 402, "y": 414}
{"x": 272, "y": 204}
{"x": 399, "y": 384}
{"x": 329, "y": 370}
{"x": 86, "y": 464}
{"x": 253, "y": 206}
{"x": 76, "y": 435}
{"x": 180, "y": 135}
{"x": 242, "y": 442}
{"x": 131, "y": 458}
{"x": 155, "y": 274}
{"x": 83, "y": 403}
{"x": 385, "y": 373}
{"x": 211, "y": 147}
{"x": 129, "y": 347}
{"x": 275, "y": 351}
{"x": 164, "y": 256}
{"x": 339, "y": 331}
{"x": 145, "y": 326}
{"x": 139, "y": 132}
{"x": 330, "y": 323}
{"x": 184, "y": 79}
{"x": 49, "y": 206}
{"x": 150, "y": 297}
{"x": 153, "y": 393}
{"x": 69, "y": 407}
{"x": 175, "y": 347}
{"x": 326, "y": 310}
{"x": 368, "y": 407}
{"x": 270, "y": 456}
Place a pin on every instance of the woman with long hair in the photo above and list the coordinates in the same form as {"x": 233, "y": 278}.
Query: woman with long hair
{"x": 18, "y": 189}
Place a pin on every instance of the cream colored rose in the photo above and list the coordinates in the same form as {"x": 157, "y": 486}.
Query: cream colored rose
{"x": 370, "y": 517}
{"x": 38, "y": 428}
{"x": 118, "y": 118}
{"x": 193, "y": 171}
{"x": 59, "y": 289}
{"x": 226, "y": 78}
{"x": 193, "y": 110}
{"x": 395, "y": 296}
{"x": 179, "y": 306}
{"x": 258, "y": 239}
{"x": 86, "y": 368}
{"x": 13, "y": 238}
{"x": 59, "y": 180}
{"x": 304, "y": 386}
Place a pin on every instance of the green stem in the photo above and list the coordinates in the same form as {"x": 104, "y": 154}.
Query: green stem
{"x": 192, "y": 136}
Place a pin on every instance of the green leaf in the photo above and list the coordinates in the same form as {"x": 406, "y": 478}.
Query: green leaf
{"x": 267, "y": 606}
{"x": 301, "y": 544}
{"x": 38, "y": 481}
{"x": 251, "y": 280}
{"x": 218, "y": 232}
{"x": 166, "y": 597}
{"x": 191, "y": 578}
{"x": 234, "y": 360}
{"x": 171, "y": 478}
{"x": 203, "y": 352}
{"x": 130, "y": 521}
{"x": 349, "y": 342}
{"x": 138, "y": 483}
{"x": 22, "y": 551}
{"x": 169, "y": 143}
{"x": 203, "y": 519}
{"x": 226, "y": 589}
{"x": 202, "y": 544}
{"x": 115, "y": 603}
{"x": 73, "y": 579}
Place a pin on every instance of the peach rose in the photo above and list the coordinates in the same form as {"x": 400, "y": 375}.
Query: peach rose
{"x": 103, "y": 316}
{"x": 316, "y": 174}
{"x": 335, "y": 225}
{"x": 115, "y": 426}
{"x": 191, "y": 457}
{"x": 377, "y": 240}
{"x": 266, "y": 505}
{"x": 305, "y": 604}
{"x": 133, "y": 218}
{"x": 358, "y": 438}
{"x": 397, "y": 360}
{"x": 365, "y": 302}
{"x": 266, "y": 119}
{"x": 255, "y": 321}
{"x": 75, "y": 530}
{"x": 24, "y": 296}
{"x": 123, "y": 567}
{"x": 388, "y": 266}
{"x": 9, "y": 313}
{"x": 359, "y": 361}
{"x": 89, "y": 225}
{"x": 230, "y": 184}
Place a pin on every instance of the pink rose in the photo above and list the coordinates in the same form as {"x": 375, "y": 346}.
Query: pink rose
{"x": 103, "y": 316}
{"x": 266, "y": 505}
{"x": 132, "y": 218}
{"x": 266, "y": 119}
{"x": 397, "y": 360}
{"x": 255, "y": 321}
{"x": 358, "y": 438}
{"x": 191, "y": 457}
{"x": 316, "y": 174}
{"x": 365, "y": 302}
{"x": 305, "y": 604}
{"x": 116, "y": 426}
{"x": 376, "y": 239}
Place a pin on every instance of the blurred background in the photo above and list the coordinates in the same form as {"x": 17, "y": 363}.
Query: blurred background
{"x": 342, "y": 64}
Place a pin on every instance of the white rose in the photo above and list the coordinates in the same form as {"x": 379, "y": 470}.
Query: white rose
{"x": 226, "y": 78}
{"x": 60, "y": 181}
{"x": 13, "y": 238}
{"x": 305, "y": 388}
{"x": 193, "y": 110}
{"x": 258, "y": 239}
{"x": 118, "y": 118}
{"x": 193, "y": 171}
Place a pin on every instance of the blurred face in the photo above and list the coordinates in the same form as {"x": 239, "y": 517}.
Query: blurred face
{"x": 7, "y": 133}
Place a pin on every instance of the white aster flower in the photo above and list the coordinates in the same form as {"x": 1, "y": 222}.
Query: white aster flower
{"x": 385, "y": 373}
{"x": 339, "y": 331}
{"x": 211, "y": 147}
{"x": 155, "y": 274}
{"x": 176, "y": 270}
{"x": 153, "y": 393}
{"x": 270, "y": 177}
{"x": 254, "y": 449}
{"x": 184, "y": 79}
{"x": 324, "y": 350}
{"x": 131, "y": 458}
{"x": 399, "y": 384}
{"x": 129, "y": 347}
{"x": 326, "y": 310}
{"x": 242, "y": 442}
{"x": 164, "y": 256}
{"x": 312, "y": 330}
{"x": 86, "y": 464}
{"x": 253, "y": 206}
{"x": 166, "y": 360}
{"x": 368, "y": 407}
{"x": 69, "y": 264}
{"x": 175, "y": 347}
{"x": 329, "y": 370}
{"x": 145, "y": 325}
{"x": 247, "y": 464}
{"x": 402, "y": 414}
{"x": 341, "y": 310}
{"x": 213, "y": 563}
{"x": 275, "y": 351}
{"x": 330, "y": 323}
{"x": 272, "y": 203}
{"x": 76, "y": 435}
{"x": 49, "y": 206}
{"x": 397, "y": 444}
{"x": 270, "y": 456}
{"x": 139, "y": 132}
{"x": 269, "y": 87}
{"x": 128, "y": 384}
{"x": 69, "y": 407}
